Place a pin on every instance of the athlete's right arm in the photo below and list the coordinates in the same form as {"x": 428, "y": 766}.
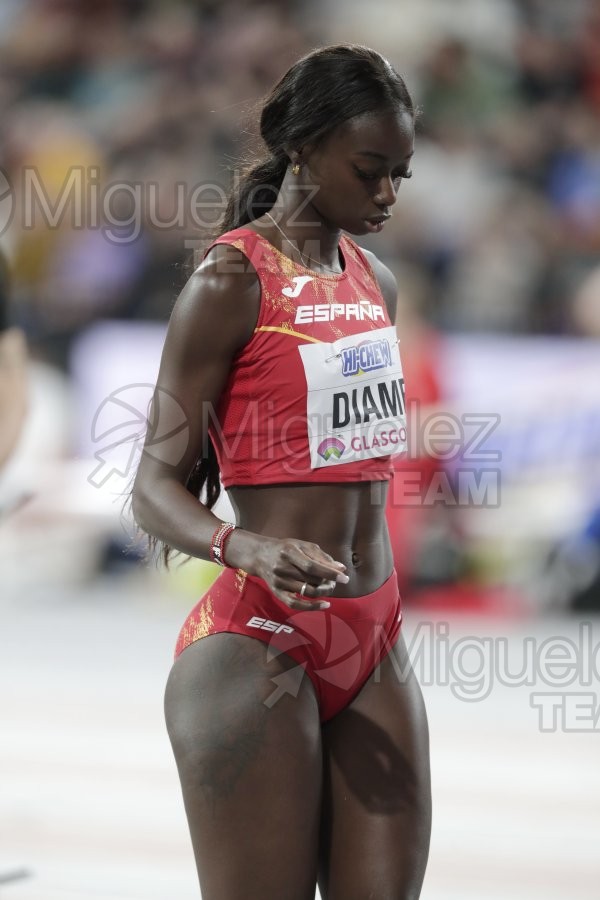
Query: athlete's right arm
{"x": 214, "y": 316}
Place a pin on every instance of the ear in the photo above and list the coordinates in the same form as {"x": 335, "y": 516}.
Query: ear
{"x": 294, "y": 154}
{"x": 300, "y": 154}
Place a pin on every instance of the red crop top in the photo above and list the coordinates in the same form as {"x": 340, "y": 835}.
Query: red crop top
{"x": 317, "y": 393}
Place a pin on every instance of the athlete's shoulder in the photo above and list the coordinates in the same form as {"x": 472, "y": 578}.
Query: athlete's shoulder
{"x": 220, "y": 299}
{"x": 226, "y": 268}
{"x": 244, "y": 237}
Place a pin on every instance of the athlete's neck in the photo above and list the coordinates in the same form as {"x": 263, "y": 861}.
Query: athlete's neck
{"x": 298, "y": 224}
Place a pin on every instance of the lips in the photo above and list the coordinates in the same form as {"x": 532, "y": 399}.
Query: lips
{"x": 376, "y": 223}
{"x": 379, "y": 220}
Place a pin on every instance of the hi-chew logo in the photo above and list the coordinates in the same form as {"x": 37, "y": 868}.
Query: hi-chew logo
{"x": 331, "y": 447}
{"x": 366, "y": 357}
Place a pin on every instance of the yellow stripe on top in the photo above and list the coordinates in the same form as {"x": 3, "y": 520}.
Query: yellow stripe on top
{"x": 289, "y": 331}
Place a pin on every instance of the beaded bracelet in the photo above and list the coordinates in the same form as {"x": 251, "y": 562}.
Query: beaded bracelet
{"x": 217, "y": 543}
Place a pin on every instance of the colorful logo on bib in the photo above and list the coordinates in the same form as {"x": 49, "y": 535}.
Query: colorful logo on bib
{"x": 331, "y": 447}
{"x": 366, "y": 357}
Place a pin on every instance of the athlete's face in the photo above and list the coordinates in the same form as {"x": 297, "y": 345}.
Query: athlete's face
{"x": 357, "y": 171}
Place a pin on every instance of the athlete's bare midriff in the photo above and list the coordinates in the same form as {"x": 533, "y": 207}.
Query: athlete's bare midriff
{"x": 347, "y": 520}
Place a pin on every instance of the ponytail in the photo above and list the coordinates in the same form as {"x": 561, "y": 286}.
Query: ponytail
{"x": 256, "y": 193}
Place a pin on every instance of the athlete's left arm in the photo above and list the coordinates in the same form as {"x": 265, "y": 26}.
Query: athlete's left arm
{"x": 387, "y": 283}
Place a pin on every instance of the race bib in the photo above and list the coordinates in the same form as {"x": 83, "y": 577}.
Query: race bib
{"x": 355, "y": 405}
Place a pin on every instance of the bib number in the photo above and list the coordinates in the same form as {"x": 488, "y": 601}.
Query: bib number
{"x": 355, "y": 406}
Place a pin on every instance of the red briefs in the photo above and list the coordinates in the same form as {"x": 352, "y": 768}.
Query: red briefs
{"x": 338, "y": 647}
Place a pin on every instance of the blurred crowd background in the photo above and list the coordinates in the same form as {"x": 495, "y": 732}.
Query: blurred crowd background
{"x": 122, "y": 123}
{"x": 495, "y": 240}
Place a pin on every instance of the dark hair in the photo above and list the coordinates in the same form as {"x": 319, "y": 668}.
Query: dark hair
{"x": 317, "y": 94}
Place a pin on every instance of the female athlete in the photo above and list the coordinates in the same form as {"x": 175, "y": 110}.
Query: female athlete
{"x": 297, "y": 724}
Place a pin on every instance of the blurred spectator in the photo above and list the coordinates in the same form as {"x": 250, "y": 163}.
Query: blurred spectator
{"x": 13, "y": 373}
{"x": 462, "y": 93}
{"x": 586, "y": 306}
{"x": 422, "y": 532}
{"x": 35, "y": 420}
{"x": 588, "y": 45}
{"x": 571, "y": 579}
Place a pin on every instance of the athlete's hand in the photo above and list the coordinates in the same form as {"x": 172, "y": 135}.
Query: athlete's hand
{"x": 287, "y": 565}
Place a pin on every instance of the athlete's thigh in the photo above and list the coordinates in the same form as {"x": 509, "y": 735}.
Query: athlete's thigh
{"x": 246, "y": 736}
{"x": 376, "y": 820}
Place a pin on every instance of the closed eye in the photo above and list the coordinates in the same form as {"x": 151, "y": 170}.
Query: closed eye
{"x": 366, "y": 176}
{"x": 373, "y": 176}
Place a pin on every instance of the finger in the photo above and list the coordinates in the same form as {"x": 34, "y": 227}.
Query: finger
{"x": 307, "y": 596}
{"x": 289, "y": 578}
{"x": 316, "y": 590}
{"x": 314, "y": 552}
{"x": 304, "y": 595}
{"x": 314, "y": 570}
{"x": 294, "y": 601}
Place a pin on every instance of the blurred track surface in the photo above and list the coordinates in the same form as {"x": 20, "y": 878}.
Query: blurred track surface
{"x": 90, "y": 807}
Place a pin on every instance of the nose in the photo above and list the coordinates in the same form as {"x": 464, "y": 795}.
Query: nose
{"x": 386, "y": 192}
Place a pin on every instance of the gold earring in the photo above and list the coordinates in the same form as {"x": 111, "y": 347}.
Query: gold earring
{"x": 296, "y": 169}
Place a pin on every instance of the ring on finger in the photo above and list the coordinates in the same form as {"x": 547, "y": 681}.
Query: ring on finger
{"x": 303, "y": 588}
